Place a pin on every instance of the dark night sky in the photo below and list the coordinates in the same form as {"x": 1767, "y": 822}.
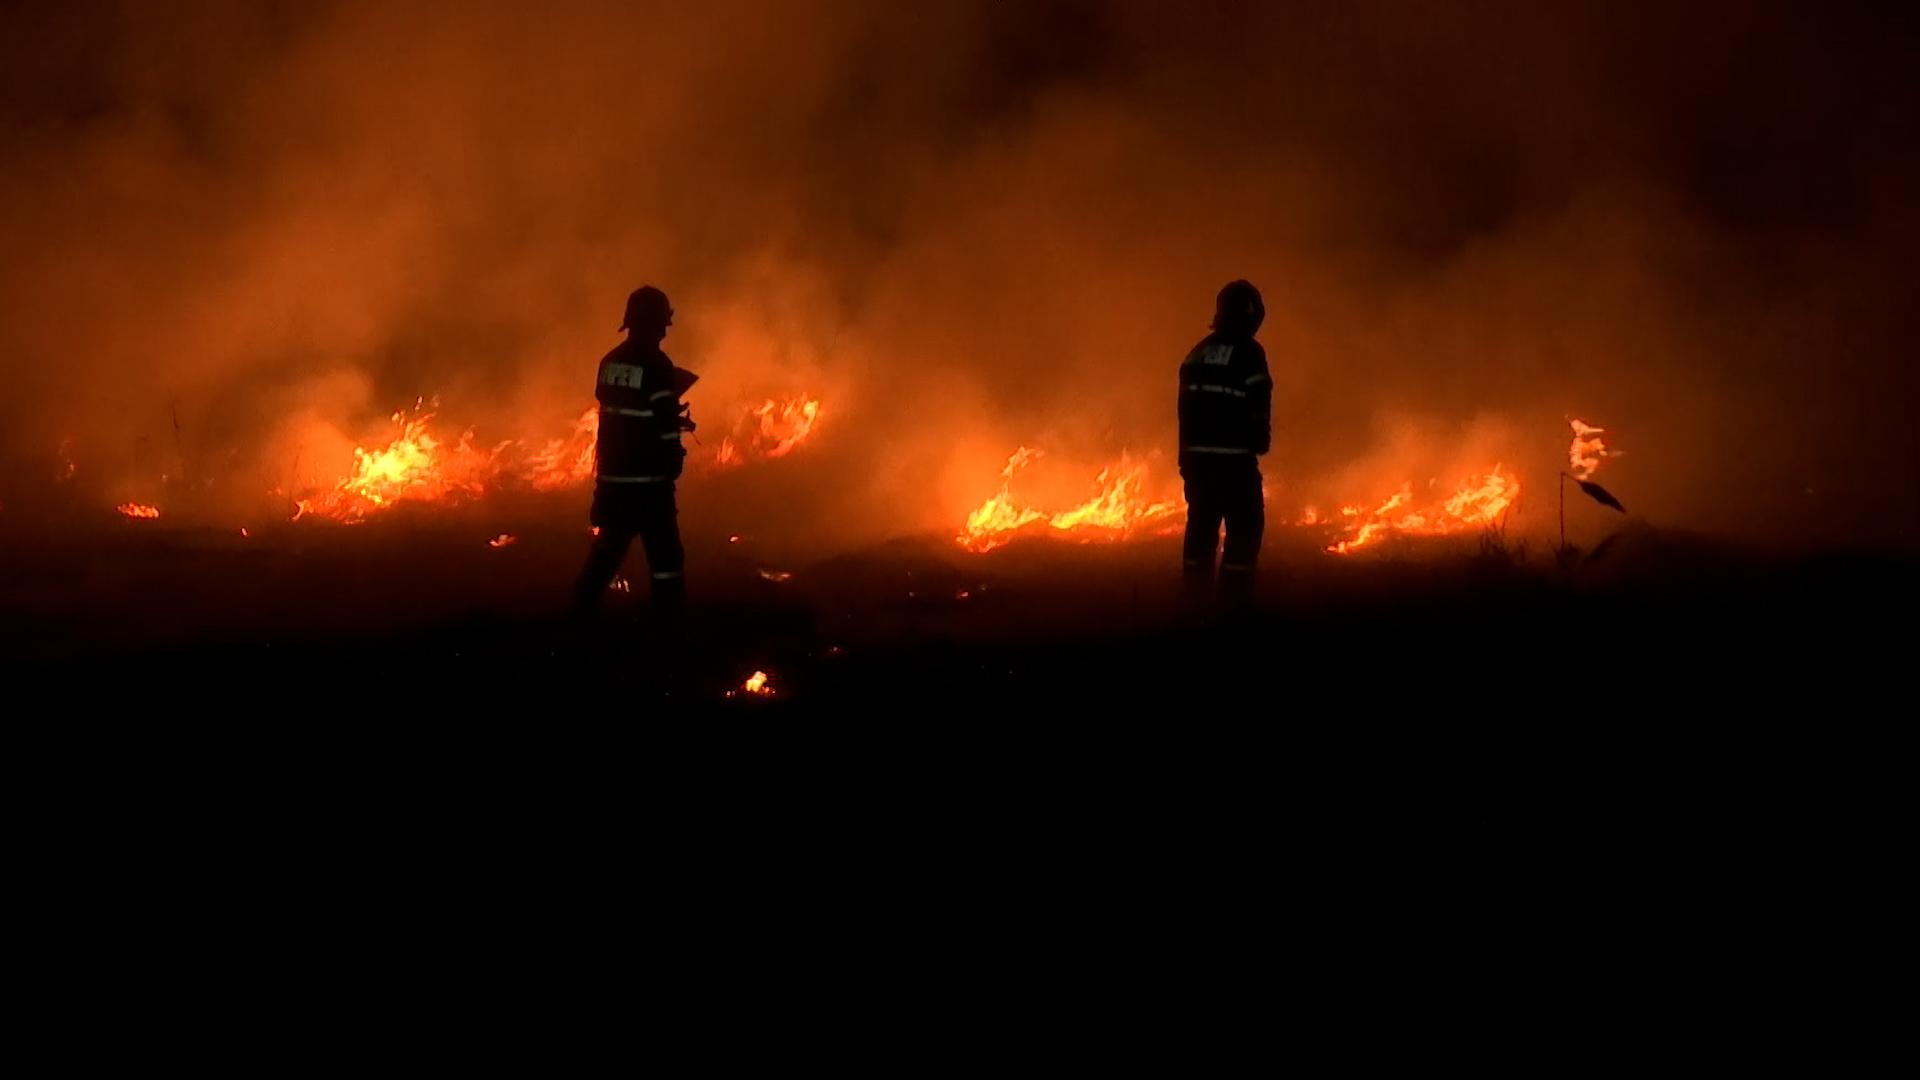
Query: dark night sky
{"x": 979, "y": 225}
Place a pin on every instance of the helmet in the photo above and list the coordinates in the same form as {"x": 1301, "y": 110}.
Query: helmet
{"x": 647, "y": 307}
{"x": 1238, "y": 309}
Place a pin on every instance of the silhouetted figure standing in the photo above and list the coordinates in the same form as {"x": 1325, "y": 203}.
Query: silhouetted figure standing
{"x": 638, "y": 457}
{"x": 1226, "y": 423}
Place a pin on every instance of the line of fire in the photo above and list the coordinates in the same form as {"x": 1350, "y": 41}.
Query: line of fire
{"x": 1278, "y": 363}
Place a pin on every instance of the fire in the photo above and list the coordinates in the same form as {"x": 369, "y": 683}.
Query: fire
{"x": 1588, "y": 449}
{"x": 777, "y": 575}
{"x": 759, "y": 684}
{"x": 1117, "y": 510}
{"x": 138, "y": 510}
{"x": 503, "y": 540}
{"x": 995, "y": 521}
{"x": 568, "y": 460}
{"x": 1480, "y": 502}
{"x": 415, "y": 465}
{"x": 769, "y": 430}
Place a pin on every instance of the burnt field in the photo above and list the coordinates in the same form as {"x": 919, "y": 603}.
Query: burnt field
{"x": 1457, "y": 634}
{"x": 1604, "y": 737}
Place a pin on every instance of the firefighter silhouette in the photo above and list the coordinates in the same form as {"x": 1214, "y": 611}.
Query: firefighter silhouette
{"x": 1226, "y": 423}
{"x": 638, "y": 458}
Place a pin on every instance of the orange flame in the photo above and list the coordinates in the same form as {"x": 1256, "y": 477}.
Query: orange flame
{"x": 503, "y": 540}
{"x": 568, "y": 460}
{"x": 769, "y": 430}
{"x": 759, "y": 683}
{"x": 138, "y": 510}
{"x": 1588, "y": 449}
{"x": 995, "y": 521}
{"x": 1481, "y": 502}
{"x": 414, "y": 466}
{"x": 1118, "y": 509}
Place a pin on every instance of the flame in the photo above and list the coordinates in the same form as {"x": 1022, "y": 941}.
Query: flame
{"x": 243, "y": 532}
{"x": 1117, "y": 510}
{"x": 67, "y": 467}
{"x": 994, "y": 521}
{"x": 568, "y": 460}
{"x": 777, "y": 575}
{"x": 415, "y": 465}
{"x": 1481, "y": 502}
{"x": 757, "y": 683}
{"x": 1588, "y": 449}
{"x": 769, "y": 430}
{"x": 138, "y": 510}
{"x": 503, "y": 540}
{"x": 412, "y": 462}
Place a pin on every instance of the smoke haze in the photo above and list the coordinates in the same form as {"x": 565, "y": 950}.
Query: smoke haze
{"x": 969, "y": 227}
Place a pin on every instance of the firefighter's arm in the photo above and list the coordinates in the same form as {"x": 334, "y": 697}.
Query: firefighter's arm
{"x": 670, "y": 417}
{"x": 683, "y": 381}
{"x": 1260, "y": 400}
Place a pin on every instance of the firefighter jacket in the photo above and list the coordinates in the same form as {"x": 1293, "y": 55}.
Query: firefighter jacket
{"x": 641, "y": 417}
{"x": 1226, "y": 400}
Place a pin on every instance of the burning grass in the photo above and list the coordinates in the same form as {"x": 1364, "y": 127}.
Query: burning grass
{"x": 1117, "y": 510}
{"x": 415, "y": 461}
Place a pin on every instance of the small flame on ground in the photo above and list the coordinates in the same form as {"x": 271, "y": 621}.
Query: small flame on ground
{"x": 243, "y": 532}
{"x": 503, "y": 540}
{"x": 619, "y": 584}
{"x": 757, "y": 683}
{"x": 777, "y": 575}
{"x": 1118, "y": 509}
{"x": 138, "y": 510}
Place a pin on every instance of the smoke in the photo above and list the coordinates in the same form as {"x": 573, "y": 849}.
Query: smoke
{"x": 971, "y": 227}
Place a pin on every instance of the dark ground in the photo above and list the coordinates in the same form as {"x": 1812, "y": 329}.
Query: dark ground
{"x": 329, "y": 621}
{"x": 1679, "y": 762}
{"x": 1664, "y": 643}
{"x": 1666, "y": 651}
